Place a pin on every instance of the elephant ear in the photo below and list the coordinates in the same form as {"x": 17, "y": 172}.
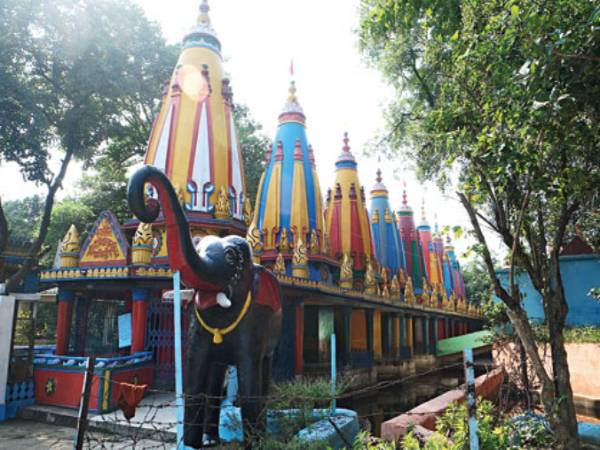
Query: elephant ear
{"x": 266, "y": 288}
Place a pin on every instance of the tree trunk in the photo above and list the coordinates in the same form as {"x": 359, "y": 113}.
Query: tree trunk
{"x": 3, "y": 241}
{"x": 556, "y": 398}
{"x": 556, "y": 314}
{"x": 14, "y": 281}
{"x": 565, "y": 419}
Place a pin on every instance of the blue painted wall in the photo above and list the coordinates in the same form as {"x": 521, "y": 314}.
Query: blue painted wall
{"x": 580, "y": 273}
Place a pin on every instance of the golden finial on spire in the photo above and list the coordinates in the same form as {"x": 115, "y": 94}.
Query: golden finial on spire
{"x": 284, "y": 240}
{"x": 346, "y": 271}
{"x": 379, "y": 179}
{"x": 253, "y": 238}
{"x": 292, "y": 93}
{"x": 300, "y": 260}
{"x": 395, "y": 286}
{"x": 326, "y": 245}
{"x": 383, "y": 273}
{"x": 222, "y": 206}
{"x": 279, "y": 267}
{"x": 409, "y": 293}
{"x": 375, "y": 217}
{"x": 314, "y": 242}
{"x": 387, "y": 216}
{"x": 70, "y": 248}
{"x": 203, "y": 17}
{"x": 370, "y": 280}
{"x": 423, "y": 216}
{"x": 141, "y": 249}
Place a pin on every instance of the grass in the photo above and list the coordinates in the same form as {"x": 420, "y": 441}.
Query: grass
{"x": 573, "y": 335}
{"x": 582, "y": 335}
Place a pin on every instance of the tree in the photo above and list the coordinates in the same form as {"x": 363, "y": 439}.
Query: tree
{"x": 477, "y": 281}
{"x": 507, "y": 95}
{"x": 73, "y": 75}
{"x": 254, "y": 144}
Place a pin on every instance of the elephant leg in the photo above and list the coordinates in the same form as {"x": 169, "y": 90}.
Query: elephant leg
{"x": 213, "y": 403}
{"x": 250, "y": 386}
{"x": 267, "y": 368}
{"x": 196, "y": 378}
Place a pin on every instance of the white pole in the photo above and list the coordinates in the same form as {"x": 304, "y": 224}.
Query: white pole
{"x": 179, "y": 403}
{"x": 333, "y": 374}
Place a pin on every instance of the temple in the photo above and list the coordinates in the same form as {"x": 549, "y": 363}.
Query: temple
{"x": 349, "y": 265}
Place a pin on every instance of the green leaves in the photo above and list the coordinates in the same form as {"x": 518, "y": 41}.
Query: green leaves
{"x": 73, "y": 76}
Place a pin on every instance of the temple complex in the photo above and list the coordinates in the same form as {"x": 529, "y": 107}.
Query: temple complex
{"x": 387, "y": 288}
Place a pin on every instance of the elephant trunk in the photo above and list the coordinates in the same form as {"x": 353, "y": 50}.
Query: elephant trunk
{"x": 182, "y": 254}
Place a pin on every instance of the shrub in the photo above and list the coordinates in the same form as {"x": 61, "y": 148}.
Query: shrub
{"x": 494, "y": 430}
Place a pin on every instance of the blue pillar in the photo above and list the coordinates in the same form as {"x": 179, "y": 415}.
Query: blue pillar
{"x": 369, "y": 317}
{"x": 426, "y": 336}
{"x": 434, "y": 340}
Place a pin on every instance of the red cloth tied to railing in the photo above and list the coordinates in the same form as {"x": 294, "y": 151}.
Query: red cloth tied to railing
{"x": 130, "y": 396}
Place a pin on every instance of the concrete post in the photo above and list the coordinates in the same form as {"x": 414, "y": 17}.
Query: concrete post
{"x": 426, "y": 335}
{"x": 370, "y": 341}
{"x": 299, "y": 340}
{"x": 7, "y": 312}
{"x": 434, "y": 340}
{"x": 347, "y": 336}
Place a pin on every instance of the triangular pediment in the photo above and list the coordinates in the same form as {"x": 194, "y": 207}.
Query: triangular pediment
{"x": 105, "y": 245}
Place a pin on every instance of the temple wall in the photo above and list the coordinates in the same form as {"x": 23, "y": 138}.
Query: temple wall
{"x": 580, "y": 274}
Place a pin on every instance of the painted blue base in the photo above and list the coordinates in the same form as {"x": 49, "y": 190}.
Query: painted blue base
{"x": 2, "y": 413}
{"x": 321, "y": 430}
{"x": 589, "y": 432}
{"x": 580, "y": 273}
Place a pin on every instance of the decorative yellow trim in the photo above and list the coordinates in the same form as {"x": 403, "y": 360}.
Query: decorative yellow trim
{"x": 218, "y": 333}
{"x": 106, "y": 390}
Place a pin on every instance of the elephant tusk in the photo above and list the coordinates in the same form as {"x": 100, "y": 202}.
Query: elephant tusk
{"x": 223, "y": 300}
{"x": 186, "y": 294}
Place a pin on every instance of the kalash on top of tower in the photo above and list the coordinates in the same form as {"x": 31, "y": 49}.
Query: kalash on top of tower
{"x": 194, "y": 139}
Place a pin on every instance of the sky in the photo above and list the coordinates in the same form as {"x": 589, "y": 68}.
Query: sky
{"x": 336, "y": 88}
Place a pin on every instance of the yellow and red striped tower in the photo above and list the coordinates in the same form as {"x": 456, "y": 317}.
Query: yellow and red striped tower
{"x": 194, "y": 140}
{"x": 346, "y": 217}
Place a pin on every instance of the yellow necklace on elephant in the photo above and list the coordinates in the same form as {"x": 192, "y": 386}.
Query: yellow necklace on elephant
{"x": 218, "y": 333}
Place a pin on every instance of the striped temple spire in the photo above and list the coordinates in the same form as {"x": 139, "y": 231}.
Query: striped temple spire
{"x": 289, "y": 200}
{"x": 453, "y": 280}
{"x": 194, "y": 139}
{"x": 346, "y": 217}
{"x": 384, "y": 227}
{"x": 410, "y": 240}
{"x": 425, "y": 245}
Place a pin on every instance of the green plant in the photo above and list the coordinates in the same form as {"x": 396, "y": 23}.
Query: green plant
{"x": 494, "y": 430}
{"x": 364, "y": 440}
{"x": 292, "y": 407}
{"x": 580, "y": 335}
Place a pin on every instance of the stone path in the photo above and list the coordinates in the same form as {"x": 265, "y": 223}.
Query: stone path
{"x": 28, "y": 435}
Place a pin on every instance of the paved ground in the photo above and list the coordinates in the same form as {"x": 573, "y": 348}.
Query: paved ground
{"x": 27, "y": 435}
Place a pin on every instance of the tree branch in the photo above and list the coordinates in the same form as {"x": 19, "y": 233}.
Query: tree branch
{"x": 15, "y": 280}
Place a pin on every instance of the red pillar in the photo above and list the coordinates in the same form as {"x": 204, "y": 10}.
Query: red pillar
{"x": 139, "y": 313}
{"x": 440, "y": 329}
{"x": 63, "y": 321}
{"x": 299, "y": 350}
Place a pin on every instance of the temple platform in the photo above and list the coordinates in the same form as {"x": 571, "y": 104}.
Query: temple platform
{"x": 154, "y": 419}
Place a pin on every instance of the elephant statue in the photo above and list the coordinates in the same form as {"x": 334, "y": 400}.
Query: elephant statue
{"x": 235, "y": 318}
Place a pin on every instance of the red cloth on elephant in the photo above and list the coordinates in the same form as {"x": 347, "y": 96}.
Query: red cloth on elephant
{"x": 268, "y": 293}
